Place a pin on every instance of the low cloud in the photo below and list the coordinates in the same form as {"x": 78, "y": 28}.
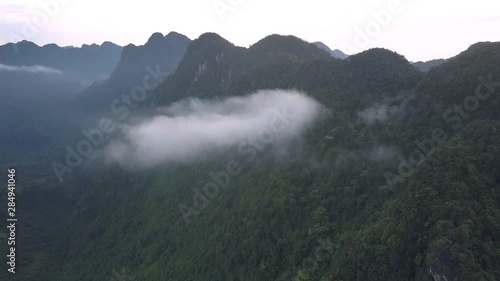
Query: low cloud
{"x": 383, "y": 153}
{"x": 29, "y": 69}
{"x": 378, "y": 112}
{"x": 190, "y": 129}
{"x": 379, "y": 153}
{"x": 382, "y": 112}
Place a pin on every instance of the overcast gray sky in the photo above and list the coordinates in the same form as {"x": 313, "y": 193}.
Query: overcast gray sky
{"x": 417, "y": 29}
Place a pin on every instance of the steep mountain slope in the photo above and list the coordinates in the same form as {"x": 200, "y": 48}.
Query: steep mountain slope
{"x": 165, "y": 51}
{"x": 201, "y": 72}
{"x": 215, "y": 67}
{"x": 156, "y": 59}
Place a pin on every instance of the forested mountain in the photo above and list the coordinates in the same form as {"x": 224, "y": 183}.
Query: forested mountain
{"x": 158, "y": 58}
{"x": 214, "y": 67}
{"x": 398, "y": 180}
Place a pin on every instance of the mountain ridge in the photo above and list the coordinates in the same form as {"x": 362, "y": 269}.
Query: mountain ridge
{"x": 91, "y": 62}
{"x": 159, "y": 53}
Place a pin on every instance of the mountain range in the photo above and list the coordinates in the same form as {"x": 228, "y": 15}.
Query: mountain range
{"x": 423, "y": 66}
{"x": 396, "y": 179}
{"x": 91, "y": 62}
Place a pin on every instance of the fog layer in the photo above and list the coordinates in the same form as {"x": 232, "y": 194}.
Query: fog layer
{"x": 30, "y": 69}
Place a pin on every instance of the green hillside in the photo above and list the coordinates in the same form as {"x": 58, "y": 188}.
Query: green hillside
{"x": 404, "y": 194}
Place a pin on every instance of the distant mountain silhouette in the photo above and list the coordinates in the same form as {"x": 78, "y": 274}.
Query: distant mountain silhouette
{"x": 334, "y": 53}
{"x": 425, "y": 66}
{"x": 161, "y": 53}
{"x": 91, "y": 62}
{"x": 165, "y": 51}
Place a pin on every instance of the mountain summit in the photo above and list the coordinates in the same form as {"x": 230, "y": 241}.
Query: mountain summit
{"x": 163, "y": 51}
{"x": 160, "y": 53}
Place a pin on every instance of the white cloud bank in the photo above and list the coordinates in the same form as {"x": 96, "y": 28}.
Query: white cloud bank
{"x": 192, "y": 128}
{"x": 30, "y": 69}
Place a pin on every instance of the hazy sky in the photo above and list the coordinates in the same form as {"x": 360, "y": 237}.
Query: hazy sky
{"x": 418, "y": 29}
